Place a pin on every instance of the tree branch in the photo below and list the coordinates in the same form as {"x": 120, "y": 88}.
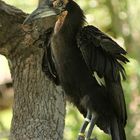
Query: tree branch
{"x": 13, "y": 33}
{"x": 10, "y": 27}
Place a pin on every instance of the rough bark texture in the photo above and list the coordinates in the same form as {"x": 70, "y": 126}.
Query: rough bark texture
{"x": 39, "y": 105}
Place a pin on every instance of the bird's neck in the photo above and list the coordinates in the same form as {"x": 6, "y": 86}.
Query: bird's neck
{"x": 73, "y": 22}
{"x": 72, "y": 25}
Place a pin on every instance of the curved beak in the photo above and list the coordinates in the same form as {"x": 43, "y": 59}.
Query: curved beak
{"x": 43, "y": 11}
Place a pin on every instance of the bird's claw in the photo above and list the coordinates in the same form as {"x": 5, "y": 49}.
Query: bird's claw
{"x": 81, "y": 138}
{"x": 91, "y": 139}
{"x": 88, "y": 139}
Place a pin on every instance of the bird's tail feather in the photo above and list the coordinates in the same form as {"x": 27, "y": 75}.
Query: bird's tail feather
{"x": 117, "y": 130}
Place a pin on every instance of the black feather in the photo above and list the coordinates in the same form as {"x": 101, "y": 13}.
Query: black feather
{"x": 74, "y": 53}
{"x": 48, "y": 66}
{"x": 105, "y": 52}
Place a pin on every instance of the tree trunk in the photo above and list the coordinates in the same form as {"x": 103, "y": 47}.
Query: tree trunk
{"x": 39, "y": 105}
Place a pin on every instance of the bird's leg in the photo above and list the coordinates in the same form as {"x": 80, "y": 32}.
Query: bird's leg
{"x": 92, "y": 124}
{"x": 81, "y": 135}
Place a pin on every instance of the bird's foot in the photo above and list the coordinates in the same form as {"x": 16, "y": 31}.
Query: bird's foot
{"x": 91, "y": 138}
{"x": 81, "y": 136}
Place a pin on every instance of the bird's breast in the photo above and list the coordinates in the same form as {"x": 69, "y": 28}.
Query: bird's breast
{"x": 70, "y": 65}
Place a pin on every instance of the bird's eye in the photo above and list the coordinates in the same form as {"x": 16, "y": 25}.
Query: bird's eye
{"x": 60, "y": 3}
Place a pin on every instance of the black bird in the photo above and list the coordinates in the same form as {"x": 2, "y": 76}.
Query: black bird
{"x": 88, "y": 65}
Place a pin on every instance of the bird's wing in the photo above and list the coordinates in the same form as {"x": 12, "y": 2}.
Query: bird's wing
{"x": 104, "y": 59}
{"x": 101, "y": 53}
{"x": 48, "y": 66}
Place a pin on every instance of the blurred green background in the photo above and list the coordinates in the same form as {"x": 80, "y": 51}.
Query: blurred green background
{"x": 121, "y": 20}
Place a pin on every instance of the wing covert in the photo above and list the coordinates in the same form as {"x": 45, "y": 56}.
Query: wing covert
{"x": 101, "y": 53}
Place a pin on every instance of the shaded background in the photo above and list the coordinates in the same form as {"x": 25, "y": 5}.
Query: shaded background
{"x": 121, "y": 20}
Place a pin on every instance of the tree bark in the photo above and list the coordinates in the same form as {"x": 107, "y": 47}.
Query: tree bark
{"x": 39, "y": 105}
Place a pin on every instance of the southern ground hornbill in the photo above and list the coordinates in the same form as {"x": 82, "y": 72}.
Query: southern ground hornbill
{"x": 88, "y": 65}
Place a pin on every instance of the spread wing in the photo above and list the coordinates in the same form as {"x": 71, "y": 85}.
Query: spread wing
{"x": 104, "y": 57}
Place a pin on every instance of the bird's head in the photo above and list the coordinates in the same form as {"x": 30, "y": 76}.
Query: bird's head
{"x": 68, "y": 13}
